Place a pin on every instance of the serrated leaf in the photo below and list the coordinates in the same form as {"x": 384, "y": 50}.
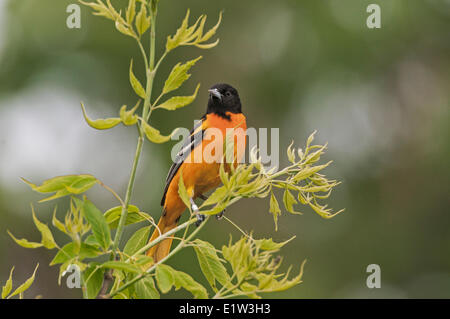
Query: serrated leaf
{"x": 210, "y": 263}
{"x": 145, "y": 289}
{"x": 25, "y": 243}
{"x": 98, "y": 224}
{"x": 142, "y": 21}
{"x": 135, "y": 84}
{"x": 25, "y": 285}
{"x": 137, "y": 241}
{"x": 178, "y": 75}
{"x": 8, "y": 285}
{"x": 177, "y": 102}
{"x": 100, "y": 124}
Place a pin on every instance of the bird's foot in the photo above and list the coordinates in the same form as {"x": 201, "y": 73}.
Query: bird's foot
{"x": 200, "y": 219}
{"x": 219, "y": 216}
{"x": 195, "y": 210}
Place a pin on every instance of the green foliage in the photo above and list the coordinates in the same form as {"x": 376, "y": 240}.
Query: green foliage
{"x": 7, "y": 288}
{"x": 64, "y": 185}
{"x": 167, "y": 277}
{"x": 303, "y": 177}
{"x": 247, "y": 267}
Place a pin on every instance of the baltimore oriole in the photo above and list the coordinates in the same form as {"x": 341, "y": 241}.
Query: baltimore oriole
{"x": 224, "y": 112}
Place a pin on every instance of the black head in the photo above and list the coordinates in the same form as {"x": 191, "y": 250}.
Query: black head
{"x": 223, "y": 98}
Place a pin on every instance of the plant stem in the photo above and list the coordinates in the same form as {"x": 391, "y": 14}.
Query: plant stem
{"x": 164, "y": 236}
{"x": 150, "y": 76}
{"x": 151, "y": 269}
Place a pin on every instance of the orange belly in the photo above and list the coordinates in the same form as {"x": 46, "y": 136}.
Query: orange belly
{"x": 201, "y": 168}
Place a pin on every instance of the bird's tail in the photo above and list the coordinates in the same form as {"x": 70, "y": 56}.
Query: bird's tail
{"x": 162, "y": 249}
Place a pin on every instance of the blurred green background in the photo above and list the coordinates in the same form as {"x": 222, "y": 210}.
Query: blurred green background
{"x": 379, "y": 97}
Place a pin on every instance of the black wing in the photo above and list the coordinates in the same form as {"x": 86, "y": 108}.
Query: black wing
{"x": 188, "y": 146}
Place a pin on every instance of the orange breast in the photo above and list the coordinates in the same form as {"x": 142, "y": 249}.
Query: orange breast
{"x": 201, "y": 168}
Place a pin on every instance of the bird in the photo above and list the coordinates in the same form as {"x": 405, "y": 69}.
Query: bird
{"x": 200, "y": 175}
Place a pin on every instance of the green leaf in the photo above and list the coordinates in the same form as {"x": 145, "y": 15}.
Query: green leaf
{"x": 122, "y": 28}
{"x": 128, "y": 117}
{"x": 183, "y": 280}
{"x": 154, "y": 135}
{"x": 164, "y": 277}
{"x": 135, "y": 84}
{"x": 72, "y": 250}
{"x": 270, "y": 245}
{"x": 90, "y": 240}
{"x": 137, "y": 241}
{"x": 134, "y": 216}
{"x": 178, "y": 75}
{"x": 178, "y": 101}
{"x": 289, "y": 201}
{"x": 101, "y": 9}
{"x": 208, "y": 35}
{"x": 274, "y": 209}
{"x": 145, "y": 289}
{"x": 25, "y": 243}
{"x": 173, "y": 42}
{"x": 131, "y": 11}
{"x": 58, "y": 224}
{"x": 142, "y": 21}
{"x": 25, "y": 285}
{"x": 291, "y": 153}
{"x": 182, "y": 191}
{"x": 120, "y": 265}
{"x": 47, "y": 238}
{"x": 100, "y": 124}
{"x": 216, "y": 196}
{"x": 8, "y": 285}
{"x": 207, "y": 46}
{"x": 93, "y": 279}
{"x": 210, "y": 263}
{"x": 98, "y": 224}
{"x": 64, "y": 185}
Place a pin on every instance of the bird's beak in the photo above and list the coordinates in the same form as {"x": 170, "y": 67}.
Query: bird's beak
{"x": 215, "y": 93}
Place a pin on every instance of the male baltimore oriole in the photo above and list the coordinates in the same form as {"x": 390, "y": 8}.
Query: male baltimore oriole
{"x": 223, "y": 112}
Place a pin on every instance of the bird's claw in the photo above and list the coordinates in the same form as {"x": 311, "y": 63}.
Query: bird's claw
{"x": 200, "y": 219}
{"x": 219, "y": 216}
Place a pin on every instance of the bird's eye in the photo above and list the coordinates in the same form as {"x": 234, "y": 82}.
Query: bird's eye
{"x": 228, "y": 93}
